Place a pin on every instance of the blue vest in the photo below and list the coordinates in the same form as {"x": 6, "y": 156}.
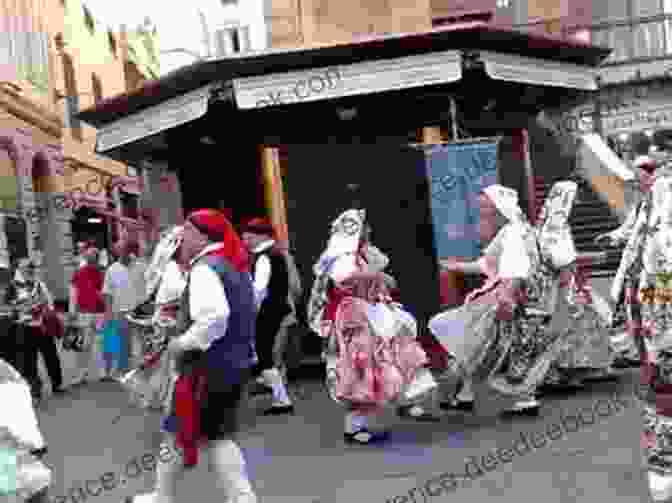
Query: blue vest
{"x": 233, "y": 352}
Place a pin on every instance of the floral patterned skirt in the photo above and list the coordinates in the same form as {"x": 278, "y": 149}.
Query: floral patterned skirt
{"x": 585, "y": 346}
{"x": 373, "y": 355}
{"x": 510, "y": 357}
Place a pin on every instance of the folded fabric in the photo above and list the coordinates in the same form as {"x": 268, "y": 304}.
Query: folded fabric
{"x": 189, "y": 391}
{"x": 19, "y": 418}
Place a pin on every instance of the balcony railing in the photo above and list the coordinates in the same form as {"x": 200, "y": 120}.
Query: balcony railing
{"x": 633, "y": 39}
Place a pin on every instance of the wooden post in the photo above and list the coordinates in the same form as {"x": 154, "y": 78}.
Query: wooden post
{"x": 274, "y": 192}
{"x": 451, "y": 283}
{"x": 529, "y": 175}
{"x": 453, "y": 119}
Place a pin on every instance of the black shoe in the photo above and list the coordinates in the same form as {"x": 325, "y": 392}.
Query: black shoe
{"x": 278, "y": 410}
{"x": 461, "y": 405}
{"x": 58, "y": 391}
{"x": 39, "y": 453}
{"x": 373, "y": 436}
{"x": 523, "y": 412}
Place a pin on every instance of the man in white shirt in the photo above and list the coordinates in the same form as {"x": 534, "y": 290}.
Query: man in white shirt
{"x": 218, "y": 342}
{"x": 124, "y": 289}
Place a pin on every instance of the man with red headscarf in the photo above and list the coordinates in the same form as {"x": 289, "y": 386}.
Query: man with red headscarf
{"x": 271, "y": 282}
{"x": 214, "y": 357}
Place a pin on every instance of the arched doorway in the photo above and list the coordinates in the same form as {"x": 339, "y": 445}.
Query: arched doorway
{"x": 13, "y": 238}
{"x": 88, "y": 225}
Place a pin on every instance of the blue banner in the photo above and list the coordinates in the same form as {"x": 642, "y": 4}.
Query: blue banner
{"x": 457, "y": 173}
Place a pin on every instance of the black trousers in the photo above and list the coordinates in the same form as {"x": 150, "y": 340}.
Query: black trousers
{"x": 8, "y": 342}
{"x": 268, "y": 326}
{"x": 31, "y": 342}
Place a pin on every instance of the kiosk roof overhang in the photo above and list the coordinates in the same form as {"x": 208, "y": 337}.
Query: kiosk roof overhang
{"x": 375, "y": 66}
{"x": 474, "y": 35}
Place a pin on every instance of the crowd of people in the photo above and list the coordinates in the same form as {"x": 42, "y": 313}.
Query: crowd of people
{"x": 187, "y": 328}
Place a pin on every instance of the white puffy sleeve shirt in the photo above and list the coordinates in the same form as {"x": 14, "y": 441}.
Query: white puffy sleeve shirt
{"x": 208, "y": 307}
{"x": 508, "y": 251}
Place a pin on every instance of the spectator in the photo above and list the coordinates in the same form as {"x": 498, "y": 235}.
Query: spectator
{"x": 30, "y": 297}
{"x": 124, "y": 289}
{"x": 87, "y": 308}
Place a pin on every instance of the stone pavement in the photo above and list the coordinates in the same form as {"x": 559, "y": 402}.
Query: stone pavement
{"x": 302, "y": 459}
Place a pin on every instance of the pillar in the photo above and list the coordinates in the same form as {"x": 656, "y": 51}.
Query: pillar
{"x": 4, "y": 245}
{"x": 57, "y": 231}
{"x": 24, "y": 169}
{"x": 275, "y": 192}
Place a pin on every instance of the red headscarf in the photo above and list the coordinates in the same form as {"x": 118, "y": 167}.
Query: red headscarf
{"x": 218, "y": 228}
{"x": 260, "y": 226}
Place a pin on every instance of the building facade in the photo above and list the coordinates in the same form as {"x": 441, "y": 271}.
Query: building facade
{"x": 57, "y": 60}
{"x": 635, "y": 86}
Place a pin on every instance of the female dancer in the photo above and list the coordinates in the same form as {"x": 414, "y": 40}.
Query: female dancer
{"x": 150, "y": 383}
{"x": 500, "y": 337}
{"x": 585, "y": 348}
{"x": 634, "y": 233}
{"x": 655, "y": 296}
{"x": 373, "y": 358}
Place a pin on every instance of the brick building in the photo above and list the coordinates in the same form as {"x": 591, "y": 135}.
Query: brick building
{"x": 58, "y": 59}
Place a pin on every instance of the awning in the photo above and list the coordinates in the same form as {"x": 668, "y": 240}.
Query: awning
{"x": 348, "y": 80}
{"x": 154, "y": 120}
{"x": 538, "y": 72}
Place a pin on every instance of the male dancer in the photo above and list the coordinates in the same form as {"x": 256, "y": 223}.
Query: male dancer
{"x": 213, "y": 356}
{"x": 271, "y": 282}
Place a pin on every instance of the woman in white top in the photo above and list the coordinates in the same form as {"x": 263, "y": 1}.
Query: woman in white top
{"x": 498, "y": 337}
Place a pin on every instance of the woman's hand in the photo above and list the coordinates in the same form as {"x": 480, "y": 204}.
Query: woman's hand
{"x": 451, "y": 265}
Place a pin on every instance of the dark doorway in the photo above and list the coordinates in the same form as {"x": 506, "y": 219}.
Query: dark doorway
{"x": 228, "y": 177}
{"x": 88, "y": 225}
{"x": 17, "y": 241}
{"x": 393, "y": 190}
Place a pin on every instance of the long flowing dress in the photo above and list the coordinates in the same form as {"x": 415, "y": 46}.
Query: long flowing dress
{"x": 585, "y": 347}
{"x": 150, "y": 384}
{"x": 507, "y": 358}
{"x": 655, "y": 300}
{"x": 373, "y": 357}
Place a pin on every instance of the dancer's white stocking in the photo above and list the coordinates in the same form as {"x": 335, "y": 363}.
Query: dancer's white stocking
{"x": 466, "y": 394}
{"x": 226, "y": 460}
{"x": 355, "y": 421}
{"x": 275, "y": 381}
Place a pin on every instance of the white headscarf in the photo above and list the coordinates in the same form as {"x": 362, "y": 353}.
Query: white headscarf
{"x": 346, "y": 235}
{"x": 163, "y": 254}
{"x": 657, "y": 256}
{"x": 506, "y": 201}
{"x": 553, "y": 231}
